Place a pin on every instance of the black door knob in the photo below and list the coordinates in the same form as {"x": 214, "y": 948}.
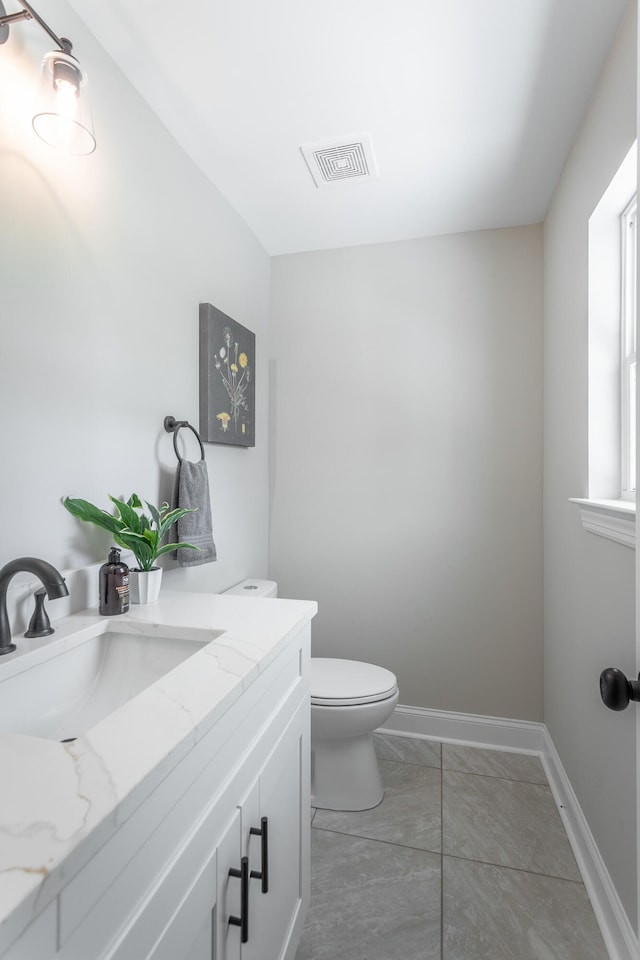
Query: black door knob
{"x": 616, "y": 691}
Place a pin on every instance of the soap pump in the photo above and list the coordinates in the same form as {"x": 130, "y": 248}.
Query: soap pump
{"x": 113, "y": 585}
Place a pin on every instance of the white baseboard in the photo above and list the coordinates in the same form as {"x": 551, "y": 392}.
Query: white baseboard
{"x": 617, "y": 931}
{"x": 522, "y": 736}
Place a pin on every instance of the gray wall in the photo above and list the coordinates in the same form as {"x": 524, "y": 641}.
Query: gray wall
{"x": 103, "y": 261}
{"x": 589, "y": 581}
{"x": 406, "y": 461}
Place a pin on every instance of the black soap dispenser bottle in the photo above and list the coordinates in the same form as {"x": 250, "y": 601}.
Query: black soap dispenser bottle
{"x": 114, "y": 585}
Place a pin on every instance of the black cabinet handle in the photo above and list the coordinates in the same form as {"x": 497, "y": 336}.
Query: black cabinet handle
{"x": 616, "y": 691}
{"x": 243, "y": 920}
{"x": 263, "y": 873}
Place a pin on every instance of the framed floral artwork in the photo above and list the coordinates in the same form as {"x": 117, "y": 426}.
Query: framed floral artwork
{"x": 227, "y": 379}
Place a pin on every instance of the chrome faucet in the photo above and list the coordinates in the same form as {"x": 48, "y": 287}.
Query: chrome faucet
{"x": 51, "y": 580}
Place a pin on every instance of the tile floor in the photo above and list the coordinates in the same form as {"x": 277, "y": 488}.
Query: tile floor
{"x": 466, "y": 858}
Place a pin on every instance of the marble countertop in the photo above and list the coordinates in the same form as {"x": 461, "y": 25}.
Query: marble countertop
{"x": 60, "y": 802}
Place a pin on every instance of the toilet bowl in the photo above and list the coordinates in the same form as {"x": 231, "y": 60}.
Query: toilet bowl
{"x": 349, "y": 700}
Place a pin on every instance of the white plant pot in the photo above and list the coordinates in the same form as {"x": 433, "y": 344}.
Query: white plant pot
{"x": 144, "y": 585}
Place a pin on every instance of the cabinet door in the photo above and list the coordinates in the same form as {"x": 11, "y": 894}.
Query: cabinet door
{"x": 273, "y": 915}
{"x": 228, "y": 903}
{"x": 202, "y": 948}
{"x": 174, "y": 922}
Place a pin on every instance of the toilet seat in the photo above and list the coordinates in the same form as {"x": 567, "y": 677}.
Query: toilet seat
{"x": 347, "y": 683}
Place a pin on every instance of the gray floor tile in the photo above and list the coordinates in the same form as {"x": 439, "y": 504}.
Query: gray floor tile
{"x": 407, "y": 749}
{"x": 371, "y": 901}
{"x": 505, "y": 822}
{"x": 494, "y": 913}
{"x": 409, "y": 813}
{"x": 493, "y": 763}
{"x": 375, "y": 898}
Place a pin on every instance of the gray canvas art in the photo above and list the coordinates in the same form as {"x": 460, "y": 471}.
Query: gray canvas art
{"x": 227, "y": 379}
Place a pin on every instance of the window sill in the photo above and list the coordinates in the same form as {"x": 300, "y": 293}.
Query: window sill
{"x": 613, "y": 519}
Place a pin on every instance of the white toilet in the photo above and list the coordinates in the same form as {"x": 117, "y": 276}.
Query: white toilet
{"x": 349, "y": 700}
{"x": 254, "y": 588}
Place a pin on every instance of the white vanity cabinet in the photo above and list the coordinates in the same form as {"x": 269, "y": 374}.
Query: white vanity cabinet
{"x": 271, "y": 832}
{"x": 275, "y": 906}
{"x": 166, "y": 884}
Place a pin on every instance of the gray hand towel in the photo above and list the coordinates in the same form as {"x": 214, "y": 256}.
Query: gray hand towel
{"x": 191, "y": 490}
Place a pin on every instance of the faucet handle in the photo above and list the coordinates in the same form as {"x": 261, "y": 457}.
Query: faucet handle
{"x": 39, "y": 625}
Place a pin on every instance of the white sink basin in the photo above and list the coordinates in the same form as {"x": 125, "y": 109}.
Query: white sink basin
{"x": 66, "y": 687}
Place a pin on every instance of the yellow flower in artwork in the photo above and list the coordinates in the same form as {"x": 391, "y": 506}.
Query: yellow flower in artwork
{"x": 242, "y": 360}
{"x": 234, "y": 367}
{"x": 224, "y": 419}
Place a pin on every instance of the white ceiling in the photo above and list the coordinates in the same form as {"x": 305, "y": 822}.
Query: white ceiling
{"x": 471, "y": 105}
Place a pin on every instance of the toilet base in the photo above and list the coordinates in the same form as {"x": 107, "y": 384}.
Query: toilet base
{"x": 345, "y": 774}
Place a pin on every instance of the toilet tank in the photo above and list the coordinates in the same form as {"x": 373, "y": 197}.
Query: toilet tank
{"x": 254, "y": 588}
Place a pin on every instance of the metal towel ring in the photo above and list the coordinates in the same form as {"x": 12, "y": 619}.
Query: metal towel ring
{"x": 173, "y": 426}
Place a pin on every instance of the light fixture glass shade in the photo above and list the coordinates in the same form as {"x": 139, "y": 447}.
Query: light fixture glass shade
{"x": 62, "y": 116}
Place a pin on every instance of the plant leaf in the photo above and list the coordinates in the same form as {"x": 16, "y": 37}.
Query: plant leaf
{"x": 129, "y": 516}
{"x": 176, "y": 546}
{"x": 155, "y": 513}
{"x": 152, "y": 538}
{"x": 144, "y": 554}
{"x": 86, "y": 511}
{"x": 133, "y": 535}
{"x": 170, "y": 518}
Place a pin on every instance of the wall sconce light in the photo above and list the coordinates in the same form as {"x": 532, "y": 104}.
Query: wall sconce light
{"x": 62, "y": 116}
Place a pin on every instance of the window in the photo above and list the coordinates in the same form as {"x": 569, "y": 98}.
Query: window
{"x": 628, "y": 352}
{"x": 608, "y": 508}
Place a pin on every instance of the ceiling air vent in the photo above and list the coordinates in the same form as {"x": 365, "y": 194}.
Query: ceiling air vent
{"x": 335, "y": 161}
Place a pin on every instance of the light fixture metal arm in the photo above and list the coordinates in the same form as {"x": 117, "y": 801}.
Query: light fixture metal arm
{"x": 15, "y": 17}
{"x": 28, "y": 13}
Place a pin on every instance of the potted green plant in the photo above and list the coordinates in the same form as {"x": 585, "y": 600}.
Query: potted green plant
{"x": 135, "y": 530}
